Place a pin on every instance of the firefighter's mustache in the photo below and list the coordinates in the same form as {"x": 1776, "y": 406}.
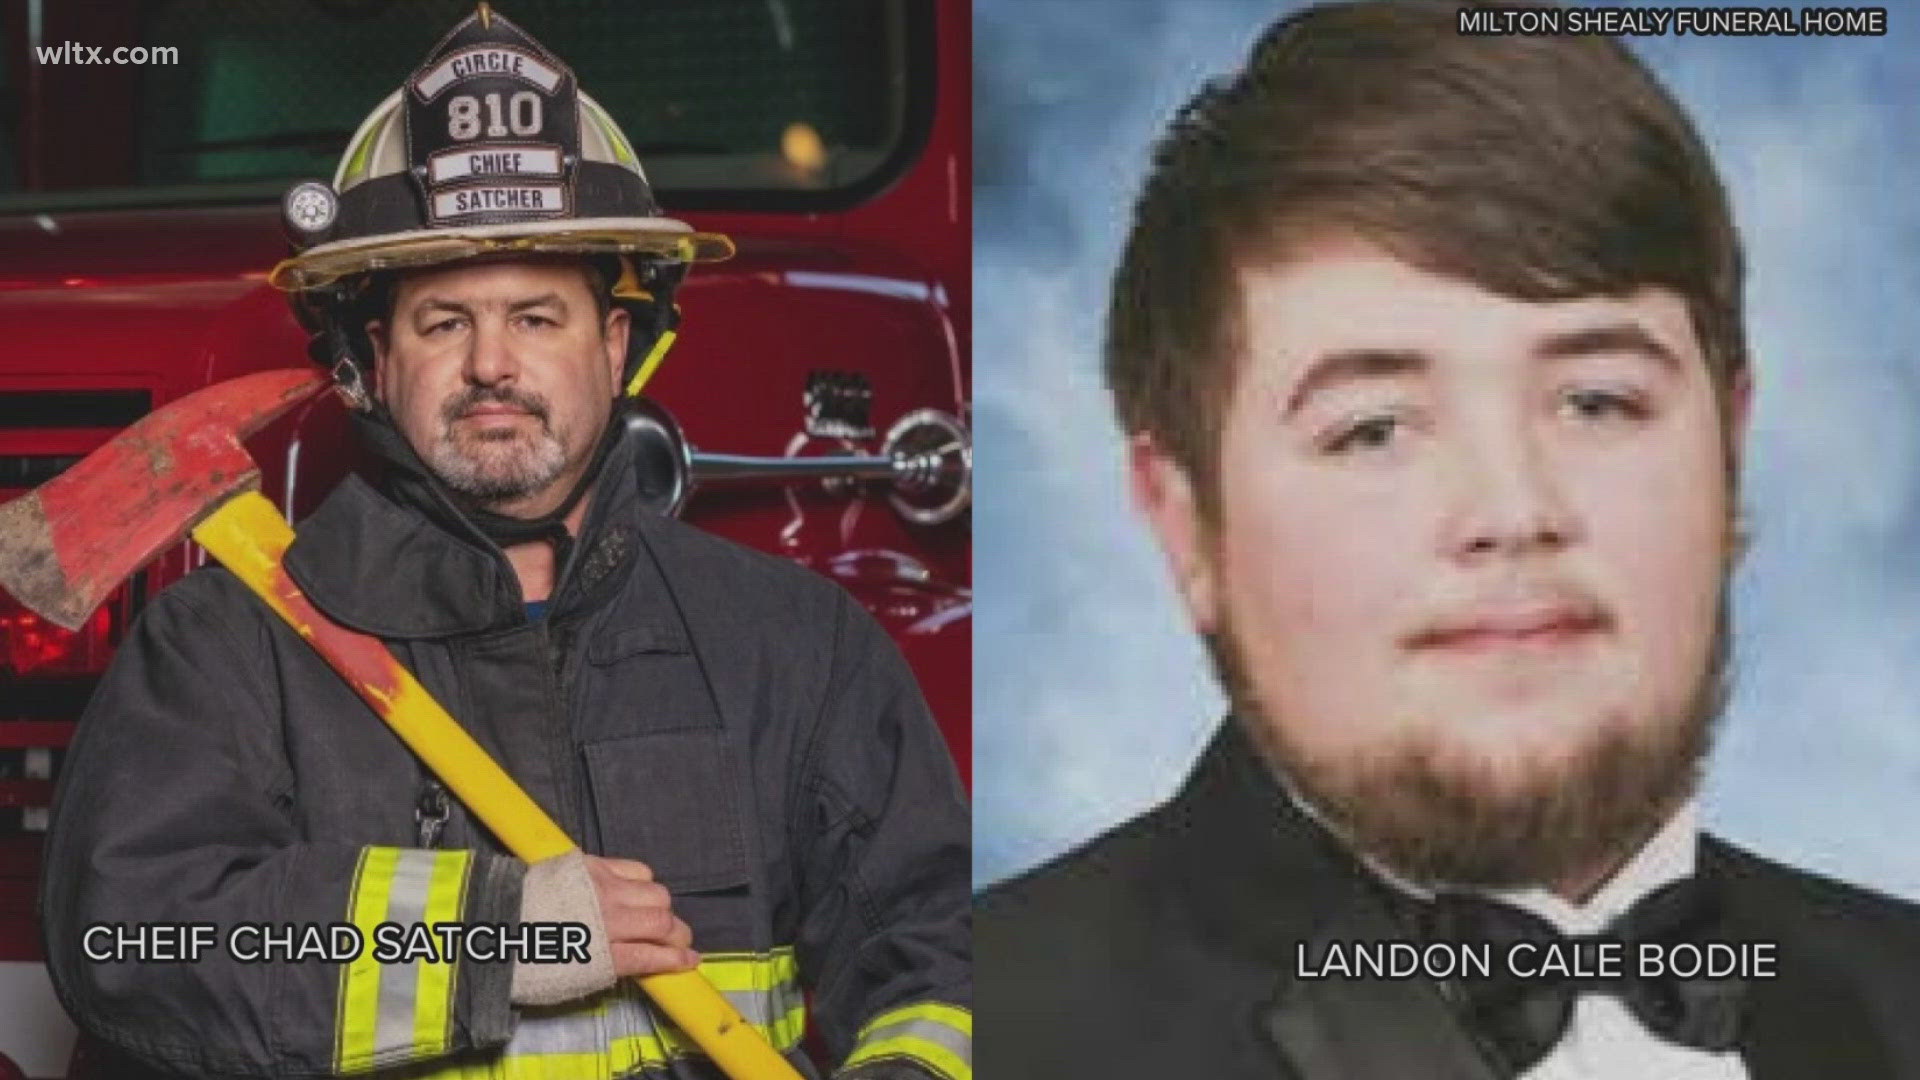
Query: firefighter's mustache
{"x": 466, "y": 401}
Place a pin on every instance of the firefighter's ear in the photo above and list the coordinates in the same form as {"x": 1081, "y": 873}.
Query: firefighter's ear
{"x": 614, "y": 334}
{"x": 376, "y": 331}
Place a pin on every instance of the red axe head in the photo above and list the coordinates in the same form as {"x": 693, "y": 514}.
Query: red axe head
{"x": 68, "y": 543}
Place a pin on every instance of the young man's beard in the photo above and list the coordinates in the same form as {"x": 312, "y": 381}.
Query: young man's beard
{"x": 1436, "y": 815}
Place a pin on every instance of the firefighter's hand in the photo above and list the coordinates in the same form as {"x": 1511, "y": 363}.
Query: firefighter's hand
{"x": 648, "y": 939}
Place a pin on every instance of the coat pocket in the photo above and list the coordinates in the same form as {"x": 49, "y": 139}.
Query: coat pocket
{"x": 641, "y": 680}
{"x": 672, "y": 800}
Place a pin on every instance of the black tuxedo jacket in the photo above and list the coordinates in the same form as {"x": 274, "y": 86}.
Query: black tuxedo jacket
{"x": 1165, "y": 950}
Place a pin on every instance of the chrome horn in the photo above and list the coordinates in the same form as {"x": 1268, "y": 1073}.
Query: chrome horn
{"x": 926, "y": 458}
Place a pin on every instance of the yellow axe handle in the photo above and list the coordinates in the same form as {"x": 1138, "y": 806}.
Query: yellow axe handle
{"x": 248, "y": 535}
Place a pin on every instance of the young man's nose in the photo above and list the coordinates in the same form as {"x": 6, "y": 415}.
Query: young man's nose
{"x": 1508, "y": 497}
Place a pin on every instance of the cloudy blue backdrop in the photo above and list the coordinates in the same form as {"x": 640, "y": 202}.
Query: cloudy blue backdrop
{"x": 1091, "y": 696}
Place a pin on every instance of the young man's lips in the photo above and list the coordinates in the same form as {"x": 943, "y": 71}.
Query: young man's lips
{"x": 1511, "y": 628}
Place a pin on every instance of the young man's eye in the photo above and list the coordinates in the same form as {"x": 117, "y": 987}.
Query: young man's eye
{"x": 1599, "y": 403}
{"x": 1366, "y": 433}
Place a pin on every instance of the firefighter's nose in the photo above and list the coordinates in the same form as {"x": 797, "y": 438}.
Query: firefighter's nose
{"x": 490, "y": 356}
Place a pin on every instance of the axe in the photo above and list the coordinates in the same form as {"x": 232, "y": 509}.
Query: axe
{"x": 180, "y": 471}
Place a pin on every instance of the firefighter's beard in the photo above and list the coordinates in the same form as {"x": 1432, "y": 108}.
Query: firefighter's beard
{"x": 493, "y": 465}
{"x": 1433, "y": 815}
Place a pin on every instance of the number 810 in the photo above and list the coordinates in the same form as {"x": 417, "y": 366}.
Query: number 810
{"x": 522, "y": 115}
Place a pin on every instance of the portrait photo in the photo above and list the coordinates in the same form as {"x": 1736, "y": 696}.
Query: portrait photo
{"x": 1454, "y": 486}
{"x": 1094, "y": 695}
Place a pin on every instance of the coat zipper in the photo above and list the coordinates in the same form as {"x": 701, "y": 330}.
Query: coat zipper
{"x": 560, "y": 640}
{"x": 559, "y": 644}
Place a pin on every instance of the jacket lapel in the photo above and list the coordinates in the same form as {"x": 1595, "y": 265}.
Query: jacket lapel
{"x": 1270, "y": 880}
{"x": 1369, "y": 1029}
{"x": 1808, "y": 1024}
{"x": 1808, "y": 1020}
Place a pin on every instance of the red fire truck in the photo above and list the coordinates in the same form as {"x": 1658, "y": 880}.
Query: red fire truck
{"x": 816, "y": 405}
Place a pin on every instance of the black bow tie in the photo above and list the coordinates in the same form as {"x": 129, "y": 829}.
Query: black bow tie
{"x": 1522, "y": 1017}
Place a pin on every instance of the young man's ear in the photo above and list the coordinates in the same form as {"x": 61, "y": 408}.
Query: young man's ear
{"x": 1163, "y": 492}
{"x": 1739, "y": 413}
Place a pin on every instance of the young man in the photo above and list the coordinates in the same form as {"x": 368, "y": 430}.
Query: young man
{"x": 1430, "y": 353}
{"x": 737, "y": 743}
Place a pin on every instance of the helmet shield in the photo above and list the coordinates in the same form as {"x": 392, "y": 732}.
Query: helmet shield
{"x": 489, "y": 148}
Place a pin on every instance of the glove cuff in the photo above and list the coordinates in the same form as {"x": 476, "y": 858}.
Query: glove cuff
{"x": 560, "y": 890}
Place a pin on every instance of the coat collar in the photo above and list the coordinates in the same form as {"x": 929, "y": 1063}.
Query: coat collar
{"x": 414, "y": 567}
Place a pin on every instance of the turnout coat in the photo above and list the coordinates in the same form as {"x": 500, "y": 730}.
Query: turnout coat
{"x": 1167, "y": 949}
{"x": 733, "y": 720}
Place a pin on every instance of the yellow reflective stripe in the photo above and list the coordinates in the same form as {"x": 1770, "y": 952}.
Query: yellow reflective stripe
{"x": 785, "y": 1033}
{"x": 553, "y": 1067}
{"x": 766, "y": 990}
{"x": 942, "y": 1061}
{"x": 742, "y": 972}
{"x": 629, "y": 1052}
{"x": 620, "y": 1031}
{"x": 934, "y": 1034}
{"x": 360, "y": 979}
{"x": 653, "y": 1049}
{"x": 938, "y": 1012}
{"x": 764, "y": 987}
{"x": 390, "y": 1013}
{"x": 433, "y": 994}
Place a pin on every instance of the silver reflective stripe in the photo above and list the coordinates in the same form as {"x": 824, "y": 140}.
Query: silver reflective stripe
{"x": 406, "y": 905}
{"x": 620, "y": 1025}
{"x": 766, "y": 1007}
{"x": 564, "y": 1029}
{"x": 630, "y": 1013}
{"x": 939, "y": 1034}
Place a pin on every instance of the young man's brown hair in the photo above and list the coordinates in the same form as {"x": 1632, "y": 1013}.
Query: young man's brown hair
{"x": 1537, "y": 168}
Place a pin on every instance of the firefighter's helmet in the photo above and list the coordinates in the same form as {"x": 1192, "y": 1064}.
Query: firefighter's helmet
{"x": 488, "y": 150}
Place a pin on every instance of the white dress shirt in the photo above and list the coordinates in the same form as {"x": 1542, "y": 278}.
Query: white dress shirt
{"x": 1604, "y": 1040}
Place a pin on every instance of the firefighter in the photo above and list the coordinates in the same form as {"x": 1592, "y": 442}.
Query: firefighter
{"x": 738, "y": 745}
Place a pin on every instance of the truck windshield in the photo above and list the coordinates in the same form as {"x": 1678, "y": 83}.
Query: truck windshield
{"x": 762, "y": 103}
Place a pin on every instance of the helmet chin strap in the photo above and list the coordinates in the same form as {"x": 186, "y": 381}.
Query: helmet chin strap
{"x": 414, "y": 482}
